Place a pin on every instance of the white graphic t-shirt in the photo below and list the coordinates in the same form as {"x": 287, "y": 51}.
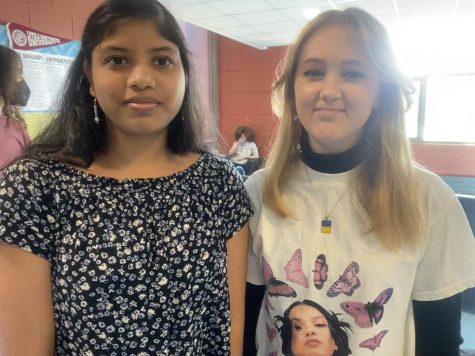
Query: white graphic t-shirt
{"x": 343, "y": 291}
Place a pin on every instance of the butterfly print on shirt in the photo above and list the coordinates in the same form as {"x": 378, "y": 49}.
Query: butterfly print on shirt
{"x": 374, "y": 342}
{"x": 320, "y": 273}
{"x": 271, "y": 333}
{"x": 293, "y": 269}
{"x": 347, "y": 283}
{"x": 366, "y": 314}
{"x": 276, "y": 288}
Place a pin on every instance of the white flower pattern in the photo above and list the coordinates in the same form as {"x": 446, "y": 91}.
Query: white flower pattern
{"x": 138, "y": 265}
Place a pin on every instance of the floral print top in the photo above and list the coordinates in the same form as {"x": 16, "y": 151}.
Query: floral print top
{"x": 138, "y": 265}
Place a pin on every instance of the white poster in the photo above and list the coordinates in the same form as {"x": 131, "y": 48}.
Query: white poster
{"x": 45, "y": 74}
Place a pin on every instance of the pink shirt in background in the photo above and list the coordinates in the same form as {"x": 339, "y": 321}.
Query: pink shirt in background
{"x": 13, "y": 139}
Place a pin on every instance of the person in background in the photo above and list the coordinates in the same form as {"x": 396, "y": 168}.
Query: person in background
{"x": 243, "y": 148}
{"x": 121, "y": 234}
{"x": 14, "y": 92}
{"x": 342, "y": 213}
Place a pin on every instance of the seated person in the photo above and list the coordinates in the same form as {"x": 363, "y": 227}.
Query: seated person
{"x": 244, "y": 147}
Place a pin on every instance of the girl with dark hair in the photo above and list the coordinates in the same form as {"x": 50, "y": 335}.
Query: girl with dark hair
{"x": 307, "y": 328}
{"x": 132, "y": 236}
{"x": 243, "y": 148}
{"x": 13, "y": 92}
{"x": 343, "y": 214}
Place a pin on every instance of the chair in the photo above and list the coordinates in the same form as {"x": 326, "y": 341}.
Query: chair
{"x": 253, "y": 165}
{"x": 468, "y": 204}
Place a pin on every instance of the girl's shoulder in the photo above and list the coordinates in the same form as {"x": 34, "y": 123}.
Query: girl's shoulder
{"x": 217, "y": 164}
{"x": 30, "y": 167}
{"x": 430, "y": 183}
{"x": 436, "y": 195}
{"x": 256, "y": 180}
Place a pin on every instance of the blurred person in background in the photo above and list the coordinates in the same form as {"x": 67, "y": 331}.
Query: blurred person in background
{"x": 14, "y": 92}
{"x": 243, "y": 149}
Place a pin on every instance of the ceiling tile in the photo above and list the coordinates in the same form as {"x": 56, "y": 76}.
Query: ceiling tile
{"x": 466, "y": 6}
{"x": 242, "y": 30}
{"x": 278, "y": 21}
{"x": 282, "y": 4}
{"x": 278, "y": 27}
{"x": 373, "y": 6}
{"x": 429, "y": 11}
{"x": 194, "y": 11}
{"x": 223, "y": 22}
{"x": 261, "y": 17}
{"x": 295, "y": 13}
{"x": 170, "y": 3}
{"x": 239, "y": 7}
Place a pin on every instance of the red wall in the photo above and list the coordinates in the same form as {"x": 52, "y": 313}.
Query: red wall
{"x": 62, "y": 18}
{"x": 245, "y": 78}
{"x": 449, "y": 160}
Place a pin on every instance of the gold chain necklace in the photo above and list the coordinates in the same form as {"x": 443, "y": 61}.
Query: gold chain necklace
{"x": 326, "y": 223}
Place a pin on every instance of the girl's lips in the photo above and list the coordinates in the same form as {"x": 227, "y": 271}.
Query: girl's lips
{"x": 313, "y": 343}
{"x": 142, "y": 103}
{"x": 142, "y": 106}
{"x": 329, "y": 110}
{"x": 328, "y": 114}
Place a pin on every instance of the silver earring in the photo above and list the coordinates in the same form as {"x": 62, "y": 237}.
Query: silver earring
{"x": 96, "y": 117}
{"x": 295, "y": 118}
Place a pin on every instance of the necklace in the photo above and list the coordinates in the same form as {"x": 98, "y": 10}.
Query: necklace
{"x": 326, "y": 223}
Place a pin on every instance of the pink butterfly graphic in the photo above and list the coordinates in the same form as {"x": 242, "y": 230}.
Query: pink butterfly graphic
{"x": 320, "y": 273}
{"x": 374, "y": 342}
{"x": 347, "y": 283}
{"x": 271, "y": 333}
{"x": 273, "y": 353}
{"x": 293, "y": 269}
{"x": 366, "y": 314}
{"x": 276, "y": 288}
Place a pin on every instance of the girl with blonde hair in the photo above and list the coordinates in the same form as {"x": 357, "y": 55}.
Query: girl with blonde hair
{"x": 343, "y": 216}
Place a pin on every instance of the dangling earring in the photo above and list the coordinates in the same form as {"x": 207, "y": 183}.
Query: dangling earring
{"x": 96, "y": 117}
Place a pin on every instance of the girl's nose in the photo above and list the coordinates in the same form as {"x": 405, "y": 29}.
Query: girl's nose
{"x": 331, "y": 90}
{"x": 141, "y": 77}
{"x": 310, "y": 332}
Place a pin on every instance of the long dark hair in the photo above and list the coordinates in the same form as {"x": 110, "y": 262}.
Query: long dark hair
{"x": 73, "y": 137}
{"x": 338, "y": 329}
{"x": 250, "y": 134}
{"x": 9, "y": 63}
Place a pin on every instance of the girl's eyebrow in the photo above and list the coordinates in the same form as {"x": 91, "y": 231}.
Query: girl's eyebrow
{"x": 126, "y": 50}
{"x": 313, "y": 60}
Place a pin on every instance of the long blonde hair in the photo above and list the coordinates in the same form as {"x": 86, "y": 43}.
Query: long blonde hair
{"x": 385, "y": 182}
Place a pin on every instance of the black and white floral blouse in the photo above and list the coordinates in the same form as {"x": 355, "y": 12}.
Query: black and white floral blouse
{"x": 138, "y": 265}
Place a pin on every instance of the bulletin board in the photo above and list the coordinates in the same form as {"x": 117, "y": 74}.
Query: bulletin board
{"x": 46, "y": 60}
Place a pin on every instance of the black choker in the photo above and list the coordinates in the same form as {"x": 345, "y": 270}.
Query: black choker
{"x": 332, "y": 163}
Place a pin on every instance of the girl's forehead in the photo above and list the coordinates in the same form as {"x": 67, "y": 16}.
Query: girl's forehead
{"x": 330, "y": 37}
{"x": 134, "y": 31}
